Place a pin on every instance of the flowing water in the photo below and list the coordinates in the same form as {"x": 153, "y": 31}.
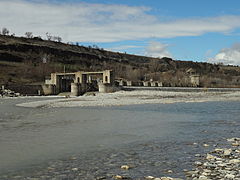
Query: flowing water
{"x": 151, "y": 138}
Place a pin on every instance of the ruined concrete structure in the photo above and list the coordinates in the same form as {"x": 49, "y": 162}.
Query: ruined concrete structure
{"x": 195, "y": 80}
{"x": 194, "y": 77}
{"x": 79, "y": 82}
{"x": 123, "y": 82}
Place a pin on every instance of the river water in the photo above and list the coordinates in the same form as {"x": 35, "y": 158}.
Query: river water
{"x": 86, "y": 143}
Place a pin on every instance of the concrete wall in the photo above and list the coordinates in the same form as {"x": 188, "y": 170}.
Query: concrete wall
{"x": 195, "y": 80}
{"x": 48, "y": 81}
{"x": 160, "y": 84}
{"x": 140, "y": 83}
{"x": 129, "y": 83}
{"x": 108, "y": 77}
{"x": 153, "y": 84}
{"x": 107, "y": 88}
{"x": 78, "y": 89}
{"x": 48, "y": 89}
{"x": 75, "y": 89}
{"x": 146, "y": 83}
{"x": 122, "y": 83}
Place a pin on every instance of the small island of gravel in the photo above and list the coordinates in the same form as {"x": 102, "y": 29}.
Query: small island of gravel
{"x": 136, "y": 97}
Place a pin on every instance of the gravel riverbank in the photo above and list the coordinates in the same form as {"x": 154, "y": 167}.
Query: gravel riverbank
{"x": 221, "y": 163}
{"x": 135, "y": 97}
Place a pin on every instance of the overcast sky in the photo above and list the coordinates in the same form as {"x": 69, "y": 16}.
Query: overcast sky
{"x": 206, "y": 30}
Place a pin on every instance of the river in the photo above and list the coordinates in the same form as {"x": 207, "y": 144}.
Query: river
{"x": 91, "y": 142}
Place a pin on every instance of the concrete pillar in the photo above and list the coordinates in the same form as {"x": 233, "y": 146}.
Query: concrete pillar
{"x": 53, "y": 78}
{"x": 48, "y": 89}
{"x": 107, "y": 88}
{"x": 89, "y": 79}
{"x": 140, "y": 83}
{"x": 160, "y": 84}
{"x": 102, "y": 88}
{"x": 146, "y": 83}
{"x": 79, "y": 77}
{"x": 195, "y": 80}
{"x": 153, "y": 84}
{"x": 75, "y": 89}
{"x": 129, "y": 83}
{"x": 108, "y": 77}
{"x": 122, "y": 83}
{"x": 112, "y": 77}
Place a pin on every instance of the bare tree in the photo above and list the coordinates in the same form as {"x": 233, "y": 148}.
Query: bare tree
{"x": 95, "y": 46}
{"x": 154, "y": 65}
{"x": 5, "y": 31}
{"x": 29, "y": 34}
{"x": 57, "y": 38}
{"x": 49, "y": 36}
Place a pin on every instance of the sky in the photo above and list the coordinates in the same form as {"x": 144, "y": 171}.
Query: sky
{"x": 202, "y": 31}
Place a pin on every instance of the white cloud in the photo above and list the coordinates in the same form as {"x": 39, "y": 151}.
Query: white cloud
{"x": 229, "y": 56}
{"x": 123, "y": 48}
{"x": 85, "y": 22}
{"x": 156, "y": 49}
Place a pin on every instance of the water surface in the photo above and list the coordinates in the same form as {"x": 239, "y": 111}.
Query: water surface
{"x": 153, "y": 137}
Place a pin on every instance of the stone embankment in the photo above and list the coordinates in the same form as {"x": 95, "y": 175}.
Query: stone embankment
{"x": 221, "y": 163}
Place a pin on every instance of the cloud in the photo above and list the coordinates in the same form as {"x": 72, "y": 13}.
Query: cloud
{"x": 123, "y": 48}
{"x": 86, "y": 22}
{"x": 156, "y": 49}
{"x": 229, "y": 56}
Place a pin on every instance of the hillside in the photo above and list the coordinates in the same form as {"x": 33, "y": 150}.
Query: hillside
{"x": 26, "y": 61}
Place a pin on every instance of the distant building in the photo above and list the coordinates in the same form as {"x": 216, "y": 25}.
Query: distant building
{"x": 194, "y": 77}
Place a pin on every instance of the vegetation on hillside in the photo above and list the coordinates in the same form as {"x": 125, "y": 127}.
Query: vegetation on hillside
{"x": 29, "y": 60}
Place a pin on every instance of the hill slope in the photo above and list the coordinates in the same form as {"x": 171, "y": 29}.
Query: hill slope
{"x": 28, "y": 61}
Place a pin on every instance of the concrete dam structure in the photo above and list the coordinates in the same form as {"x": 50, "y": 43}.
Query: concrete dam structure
{"x": 79, "y": 82}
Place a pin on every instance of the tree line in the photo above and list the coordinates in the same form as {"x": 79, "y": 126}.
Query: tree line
{"x": 6, "y": 32}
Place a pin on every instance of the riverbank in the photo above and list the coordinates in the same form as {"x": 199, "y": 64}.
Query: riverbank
{"x": 221, "y": 163}
{"x": 134, "y": 97}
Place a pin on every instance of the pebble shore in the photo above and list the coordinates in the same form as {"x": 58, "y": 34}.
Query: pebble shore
{"x": 121, "y": 98}
{"x": 221, "y": 163}
{"x": 218, "y": 163}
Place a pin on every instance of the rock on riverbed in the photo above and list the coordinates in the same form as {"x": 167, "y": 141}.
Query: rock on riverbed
{"x": 222, "y": 163}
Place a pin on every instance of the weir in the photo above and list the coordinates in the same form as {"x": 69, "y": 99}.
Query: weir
{"x": 78, "y": 83}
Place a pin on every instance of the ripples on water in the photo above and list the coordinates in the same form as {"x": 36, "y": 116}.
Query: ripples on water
{"x": 151, "y": 138}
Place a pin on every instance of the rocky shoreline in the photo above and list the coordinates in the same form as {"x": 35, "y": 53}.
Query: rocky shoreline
{"x": 219, "y": 163}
